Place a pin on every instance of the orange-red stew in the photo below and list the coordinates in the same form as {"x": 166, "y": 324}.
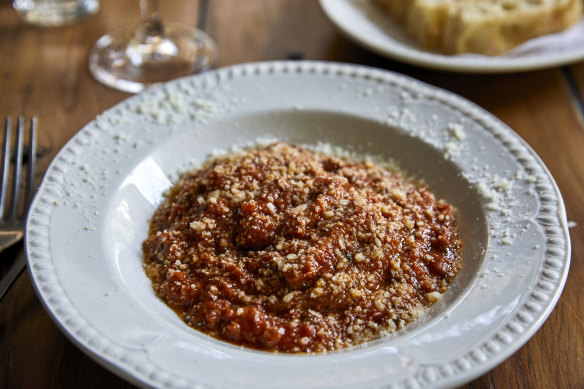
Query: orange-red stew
{"x": 290, "y": 250}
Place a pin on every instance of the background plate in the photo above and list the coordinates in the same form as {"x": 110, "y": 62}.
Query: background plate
{"x": 91, "y": 214}
{"x": 367, "y": 25}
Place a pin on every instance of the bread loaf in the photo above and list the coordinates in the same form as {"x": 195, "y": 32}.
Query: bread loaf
{"x": 490, "y": 27}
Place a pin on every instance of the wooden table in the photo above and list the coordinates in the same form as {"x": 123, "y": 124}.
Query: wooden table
{"x": 44, "y": 72}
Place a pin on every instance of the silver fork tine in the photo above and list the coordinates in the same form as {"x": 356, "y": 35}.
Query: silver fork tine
{"x": 5, "y": 166}
{"x": 16, "y": 224}
{"x": 17, "y": 171}
{"x": 31, "y": 161}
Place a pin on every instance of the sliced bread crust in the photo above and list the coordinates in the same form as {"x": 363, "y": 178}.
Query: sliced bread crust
{"x": 490, "y": 27}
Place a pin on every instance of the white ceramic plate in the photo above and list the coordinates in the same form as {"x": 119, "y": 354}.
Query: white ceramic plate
{"x": 90, "y": 216}
{"x": 361, "y": 21}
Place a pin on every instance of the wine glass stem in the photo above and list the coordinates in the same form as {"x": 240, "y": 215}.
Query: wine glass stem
{"x": 151, "y": 18}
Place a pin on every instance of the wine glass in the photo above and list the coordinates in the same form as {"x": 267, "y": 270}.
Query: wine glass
{"x": 134, "y": 58}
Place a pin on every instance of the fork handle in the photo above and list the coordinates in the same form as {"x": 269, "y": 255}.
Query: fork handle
{"x": 7, "y": 239}
{"x": 12, "y": 274}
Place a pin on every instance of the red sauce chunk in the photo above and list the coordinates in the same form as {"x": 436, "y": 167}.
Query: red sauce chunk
{"x": 290, "y": 250}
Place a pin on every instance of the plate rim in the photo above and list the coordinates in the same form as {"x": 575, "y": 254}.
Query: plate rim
{"x": 53, "y": 297}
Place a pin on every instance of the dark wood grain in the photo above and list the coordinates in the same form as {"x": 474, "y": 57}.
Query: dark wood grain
{"x": 44, "y": 72}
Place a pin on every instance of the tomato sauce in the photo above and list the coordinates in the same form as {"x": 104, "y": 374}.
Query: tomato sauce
{"x": 290, "y": 250}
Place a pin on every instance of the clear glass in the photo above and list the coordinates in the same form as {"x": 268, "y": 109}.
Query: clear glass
{"x": 49, "y": 13}
{"x": 134, "y": 58}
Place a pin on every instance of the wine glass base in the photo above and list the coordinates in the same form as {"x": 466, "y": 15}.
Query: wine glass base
{"x": 121, "y": 61}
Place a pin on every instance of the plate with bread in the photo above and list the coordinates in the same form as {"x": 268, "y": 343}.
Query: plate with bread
{"x": 471, "y": 36}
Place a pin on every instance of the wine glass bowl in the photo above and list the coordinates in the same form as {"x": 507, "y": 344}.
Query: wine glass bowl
{"x": 133, "y": 58}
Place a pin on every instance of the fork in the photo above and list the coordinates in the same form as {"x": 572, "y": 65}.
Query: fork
{"x": 16, "y": 193}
